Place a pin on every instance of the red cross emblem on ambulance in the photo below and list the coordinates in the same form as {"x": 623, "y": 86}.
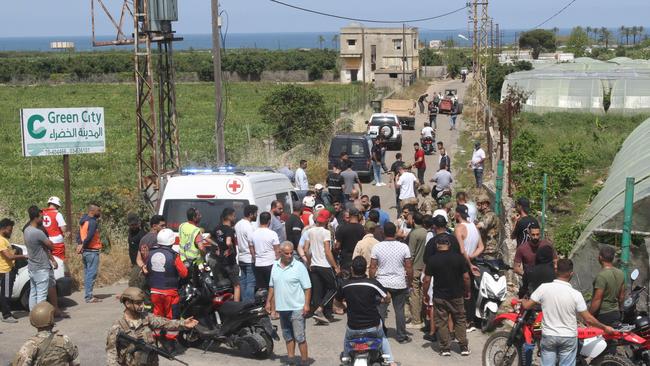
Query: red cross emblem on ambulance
{"x": 234, "y": 186}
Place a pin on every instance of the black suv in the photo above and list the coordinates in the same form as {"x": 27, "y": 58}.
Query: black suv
{"x": 358, "y": 146}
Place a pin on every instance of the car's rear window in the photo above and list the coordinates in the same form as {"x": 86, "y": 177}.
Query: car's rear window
{"x": 175, "y": 211}
{"x": 380, "y": 121}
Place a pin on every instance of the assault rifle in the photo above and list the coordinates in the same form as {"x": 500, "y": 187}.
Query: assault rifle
{"x": 144, "y": 346}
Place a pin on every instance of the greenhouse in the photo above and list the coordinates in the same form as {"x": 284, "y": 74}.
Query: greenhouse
{"x": 586, "y": 85}
{"x": 604, "y": 217}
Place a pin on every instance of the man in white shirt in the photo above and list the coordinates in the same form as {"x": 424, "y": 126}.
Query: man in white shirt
{"x": 301, "y": 176}
{"x": 560, "y": 304}
{"x": 267, "y": 250}
{"x": 478, "y": 158}
{"x": 246, "y": 252}
{"x": 407, "y": 182}
{"x": 427, "y": 131}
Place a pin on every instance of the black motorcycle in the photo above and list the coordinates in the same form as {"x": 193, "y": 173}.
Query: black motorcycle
{"x": 240, "y": 325}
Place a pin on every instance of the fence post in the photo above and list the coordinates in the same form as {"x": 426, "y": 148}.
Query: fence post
{"x": 499, "y": 193}
{"x": 627, "y": 227}
{"x": 544, "y": 203}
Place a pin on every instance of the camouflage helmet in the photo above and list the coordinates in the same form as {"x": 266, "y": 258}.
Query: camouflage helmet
{"x": 483, "y": 198}
{"x": 42, "y": 315}
{"x": 133, "y": 294}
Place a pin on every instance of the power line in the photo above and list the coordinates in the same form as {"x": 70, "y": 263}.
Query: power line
{"x": 554, "y": 15}
{"x": 367, "y": 20}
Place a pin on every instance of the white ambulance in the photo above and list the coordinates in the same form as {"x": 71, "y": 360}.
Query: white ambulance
{"x": 211, "y": 190}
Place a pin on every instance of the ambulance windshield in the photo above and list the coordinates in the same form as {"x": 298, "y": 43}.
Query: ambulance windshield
{"x": 175, "y": 211}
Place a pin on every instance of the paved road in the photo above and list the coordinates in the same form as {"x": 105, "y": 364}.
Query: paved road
{"x": 90, "y": 322}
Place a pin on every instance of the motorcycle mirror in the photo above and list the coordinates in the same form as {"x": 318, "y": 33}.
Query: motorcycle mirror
{"x": 635, "y": 274}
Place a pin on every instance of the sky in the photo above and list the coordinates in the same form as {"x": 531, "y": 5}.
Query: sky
{"x": 33, "y": 18}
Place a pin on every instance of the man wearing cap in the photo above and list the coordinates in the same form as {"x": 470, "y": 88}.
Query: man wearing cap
{"x": 365, "y": 245}
{"x": 478, "y": 157}
{"x": 55, "y": 226}
{"x": 427, "y": 203}
{"x": 318, "y": 247}
{"x": 135, "y": 234}
{"x": 521, "y": 232}
{"x": 322, "y": 197}
{"x": 164, "y": 269}
{"x": 488, "y": 225}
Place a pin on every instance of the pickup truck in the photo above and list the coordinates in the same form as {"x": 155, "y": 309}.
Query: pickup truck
{"x": 404, "y": 109}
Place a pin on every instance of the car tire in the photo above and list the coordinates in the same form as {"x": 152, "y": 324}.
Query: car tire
{"x": 24, "y": 297}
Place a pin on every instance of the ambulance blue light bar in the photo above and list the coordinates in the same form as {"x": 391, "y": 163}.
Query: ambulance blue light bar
{"x": 221, "y": 169}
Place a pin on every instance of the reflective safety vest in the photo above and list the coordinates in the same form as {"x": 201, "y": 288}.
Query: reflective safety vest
{"x": 187, "y": 233}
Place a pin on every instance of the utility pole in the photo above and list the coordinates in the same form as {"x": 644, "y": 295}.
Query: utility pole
{"x": 403, "y": 55}
{"x": 218, "y": 100}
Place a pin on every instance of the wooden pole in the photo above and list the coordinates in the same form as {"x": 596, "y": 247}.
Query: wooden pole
{"x": 68, "y": 194}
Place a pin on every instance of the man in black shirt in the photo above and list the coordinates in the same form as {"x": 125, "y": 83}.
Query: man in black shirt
{"x": 521, "y": 232}
{"x": 451, "y": 283}
{"x": 294, "y": 225}
{"x": 347, "y": 236}
{"x": 335, "y": 184}
{"x": 226, "y": 250}
{"x": 135, "y": 235}
{"x": 441, "y": 233}
{"x": 363, "y": 296}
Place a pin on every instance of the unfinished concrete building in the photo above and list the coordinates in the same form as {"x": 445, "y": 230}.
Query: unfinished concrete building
{"x": 387, "y": 57}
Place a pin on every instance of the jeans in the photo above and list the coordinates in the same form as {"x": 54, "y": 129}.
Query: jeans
{"x": 434, "y": 121}
{"x": 399, "y": 299}
{"x": 376, "y": 170}
{"x": 247, "y": 281}
{"x": 293, "y": 326}
{"x": 91, "y": 266}
{"x": 6, "y": 287}
{"x": 39, "y": 283}
{"x": 452, "y": 122}
{"x": 456, "y": 308}
{"x": 478, "y": 175}
{"x": 378, "y": 330}
{"x": 560, "y": 351}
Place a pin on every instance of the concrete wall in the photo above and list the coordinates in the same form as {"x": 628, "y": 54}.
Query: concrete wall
{"x": 283, "y": 76}
{"x": 433, "y": 71}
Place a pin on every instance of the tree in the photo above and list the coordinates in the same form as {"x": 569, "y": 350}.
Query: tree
{"x": 321, "y": 40}
{"x": 621, "y": 34}
{"x": 335, "y": 41}
{"x": 605, "y": 36}
{"x": 538, "y": 40}
{"x": 634, "y": 31}
{"x": 578, "y": 41}
{"x": 588, "y": 30}
{"x": 297, "y": 114}
{"x": 641, "y": 30}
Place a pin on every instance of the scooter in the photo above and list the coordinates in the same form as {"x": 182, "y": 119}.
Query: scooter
{"x": 365, "y": 350}
{"x": 428, "y": 145}
{"x": 240, "y": 325}
{"x": 492, "y": 290}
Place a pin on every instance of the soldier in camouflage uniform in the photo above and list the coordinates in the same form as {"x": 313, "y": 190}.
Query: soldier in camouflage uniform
{"x": 427, "y": 203}
{"x": 138, "y": 324}
{"x": 47, "y": 347}
{"x": 489, "y": 225}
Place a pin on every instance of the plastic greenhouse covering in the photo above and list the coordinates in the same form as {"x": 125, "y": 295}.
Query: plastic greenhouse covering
{"x": 582, "y": 85}
{"x": 606, "y": 211}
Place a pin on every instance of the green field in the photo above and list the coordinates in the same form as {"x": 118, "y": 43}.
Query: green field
{"x": 110, "y": 178}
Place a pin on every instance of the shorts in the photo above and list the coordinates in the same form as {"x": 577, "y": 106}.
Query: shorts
{"x": 232, "y": 273}
{"x": 293, "y": 326}
{"x": 262, "y": 276}
{"x": 59, "y": 250}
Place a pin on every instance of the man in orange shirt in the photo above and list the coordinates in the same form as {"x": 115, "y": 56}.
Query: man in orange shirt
{"x": 89, "y": 245}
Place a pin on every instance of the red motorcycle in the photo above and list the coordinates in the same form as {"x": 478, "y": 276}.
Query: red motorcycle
{"x": 517, "y": 346}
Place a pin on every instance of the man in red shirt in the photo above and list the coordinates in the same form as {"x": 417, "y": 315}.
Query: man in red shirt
{"x": 55, "y": 226}
{"x": 420, "y": 164}
{"x": 164, "y": 269}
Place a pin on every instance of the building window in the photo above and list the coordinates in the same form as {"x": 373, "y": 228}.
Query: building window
{"x": 352, "y": 42}
{"x": 392, "y": 75}
{"x": 397, "y": 44}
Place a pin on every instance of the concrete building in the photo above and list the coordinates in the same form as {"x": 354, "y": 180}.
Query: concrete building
{"x": 384, "y": 56}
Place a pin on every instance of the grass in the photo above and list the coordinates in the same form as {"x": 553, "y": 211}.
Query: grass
{"x": 111, "y": 178}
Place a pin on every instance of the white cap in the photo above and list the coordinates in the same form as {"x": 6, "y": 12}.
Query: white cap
{"x": 309, "y": 201}
{"x": 318, "y": 186}
{"x": 54, "y": 200}
{"x": 319, "y": 207}
{"x": 442, "y": 213}
{"x": 166, "y": 237}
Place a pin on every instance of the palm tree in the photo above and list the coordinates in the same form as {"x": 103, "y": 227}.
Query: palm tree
{"x": 628, "y": 32}
{"x": 634, "y": 32}
{"x": 588, "y": 30}
{"x": 621, "y": 33}
{"x": 603, "y": 35}
{"x": 335, "y": 41}
{"x": 321, "y": 40}
{"x": 641, "y": 30}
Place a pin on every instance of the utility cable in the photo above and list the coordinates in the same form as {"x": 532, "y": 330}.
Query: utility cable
{"x": 554, "y": 15}
{"x": 369, "y": 20}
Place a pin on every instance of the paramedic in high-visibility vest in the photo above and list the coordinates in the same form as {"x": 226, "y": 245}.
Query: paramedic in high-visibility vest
{"x": 191, "y": 243}
{"x": 55, "y": 226}
{"x": 89, "y": 245}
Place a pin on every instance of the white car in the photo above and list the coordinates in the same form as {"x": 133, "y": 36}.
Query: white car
{"x": 388, "y": 126}
{"x": 21, "y": 284}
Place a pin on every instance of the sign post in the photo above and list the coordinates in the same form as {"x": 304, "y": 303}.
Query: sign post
{"x": 63, "y": 131}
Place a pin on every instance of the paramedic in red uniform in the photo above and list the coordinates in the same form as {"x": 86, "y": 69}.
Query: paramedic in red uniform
{"x": 55, "y": 226}
{"x": 164, "y": 269}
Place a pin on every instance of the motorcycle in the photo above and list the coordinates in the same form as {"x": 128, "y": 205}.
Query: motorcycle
{"x": 428, "y": 145}
{"x": 517, "y": 346}
{"x": 640, "y": 323}
{"x": 441, "y": 196}
{"x": 240, "y": 325}
{"x": 365, "y": 350}
{"x": 492, "y": 290}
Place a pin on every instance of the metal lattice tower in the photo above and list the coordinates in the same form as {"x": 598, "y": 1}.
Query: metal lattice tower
{"x": 480, "y": 21}
{"x": 156, "y": 122}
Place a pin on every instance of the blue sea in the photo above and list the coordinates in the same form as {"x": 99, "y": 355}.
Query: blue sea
{"x": 239, "y": 40}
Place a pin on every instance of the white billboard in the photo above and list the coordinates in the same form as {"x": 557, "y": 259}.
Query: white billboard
{"x": 62, "y": 131}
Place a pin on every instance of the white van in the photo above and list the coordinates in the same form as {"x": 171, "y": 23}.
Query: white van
{"x": 212, "y": 190}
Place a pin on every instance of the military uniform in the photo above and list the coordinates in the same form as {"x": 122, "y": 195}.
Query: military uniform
{"x": 125, "y": 354}
{"x": 47, "y": 348}
{"x": 490, "y": 224}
